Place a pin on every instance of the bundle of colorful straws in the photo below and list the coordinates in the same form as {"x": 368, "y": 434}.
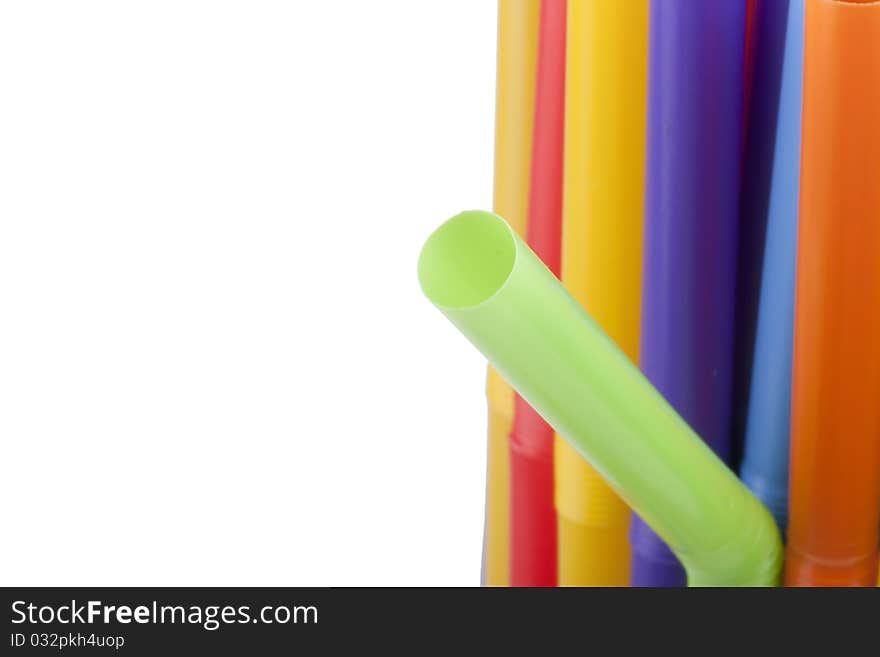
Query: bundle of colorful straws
{"x": 678, "y": 293}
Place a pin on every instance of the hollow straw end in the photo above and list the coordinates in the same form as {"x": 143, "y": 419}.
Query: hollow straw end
{"x": 466, "y": 260}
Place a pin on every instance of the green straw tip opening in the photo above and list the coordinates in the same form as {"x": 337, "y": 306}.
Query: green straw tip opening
{"x": 467, "y": 260}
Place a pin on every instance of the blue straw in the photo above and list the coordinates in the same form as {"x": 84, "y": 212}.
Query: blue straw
{"x": 765, "y": 458}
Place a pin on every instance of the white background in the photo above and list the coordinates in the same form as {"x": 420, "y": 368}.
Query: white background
{"x": 216, "y": 366}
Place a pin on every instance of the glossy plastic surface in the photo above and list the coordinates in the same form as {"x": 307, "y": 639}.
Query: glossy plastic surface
{"x": 494, "y": 289}
{"x": 601, "y": 252}
{"x": 834, "y": 510}
{"x": 694, "y": 159}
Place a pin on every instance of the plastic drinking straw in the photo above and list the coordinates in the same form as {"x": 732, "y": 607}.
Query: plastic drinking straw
{"x": 533, "y": 518}
{"x": 765, "y": 459}
{"x": 834, "y": 506}
{"x": 514, "y": 114}
{"x": 765, "y": 41}
{"x": 500, "y": 295}
{"x": 606, "y": 80}
{"x": 695, "y": 100}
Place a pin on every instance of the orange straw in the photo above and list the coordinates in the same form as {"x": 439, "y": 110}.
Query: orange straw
{"x": 835, "y": 455}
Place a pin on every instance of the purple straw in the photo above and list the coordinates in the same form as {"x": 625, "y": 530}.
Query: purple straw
{"x": 695, "y": 101}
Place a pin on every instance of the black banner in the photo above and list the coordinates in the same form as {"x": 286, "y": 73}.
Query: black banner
{"x": 268, "y": 621}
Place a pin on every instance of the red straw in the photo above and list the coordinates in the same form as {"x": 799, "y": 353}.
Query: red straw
{"x": 533, "y": 517}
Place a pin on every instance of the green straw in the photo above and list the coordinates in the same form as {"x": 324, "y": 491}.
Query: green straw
{"x": 510, "y": 306}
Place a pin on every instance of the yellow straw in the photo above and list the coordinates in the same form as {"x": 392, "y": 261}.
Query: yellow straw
{"x": 606, "y": 89}
{"x": 514, "y": 115}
